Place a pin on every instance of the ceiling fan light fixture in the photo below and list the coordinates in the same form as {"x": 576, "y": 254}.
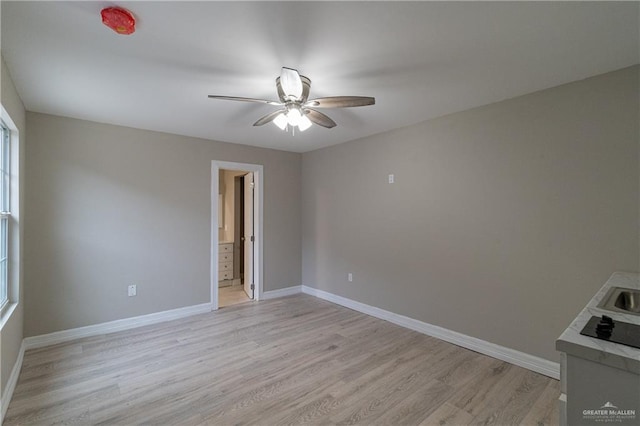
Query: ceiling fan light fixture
{"x": 281, "y": 121}
{"x": 294, "y": 116}
{"x": 304, "y": 123}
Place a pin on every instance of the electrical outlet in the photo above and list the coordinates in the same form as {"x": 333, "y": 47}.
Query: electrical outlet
{"x": 350, "y": 277}
{"x": 392, "y": 178}
{"x": 132, "y": 290}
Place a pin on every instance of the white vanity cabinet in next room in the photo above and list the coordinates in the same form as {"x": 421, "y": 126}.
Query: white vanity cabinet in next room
{"x": 225, "y": 261}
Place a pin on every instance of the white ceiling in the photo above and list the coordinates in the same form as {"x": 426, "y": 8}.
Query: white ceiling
{"x": 419, "y": 59}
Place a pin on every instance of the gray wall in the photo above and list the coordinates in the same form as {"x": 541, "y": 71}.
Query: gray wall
{"x": 503, "y": 222}
{"x": 11, "y": 333}
{"x": 109, "y": 206}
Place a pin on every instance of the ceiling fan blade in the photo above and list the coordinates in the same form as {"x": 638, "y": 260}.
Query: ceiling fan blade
{"x": 281, "y": 94}
{"x": 291, "y": 83}
{"x": 341, "y": 102}
{"x": 235, "y": 98}
{"x": 306, "y": 85}
{"x": 269, "y": 117}
{"x": 319, "y": 118}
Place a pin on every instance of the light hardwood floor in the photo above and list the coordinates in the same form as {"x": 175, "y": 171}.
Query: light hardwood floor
{"x": 295, "y": 360}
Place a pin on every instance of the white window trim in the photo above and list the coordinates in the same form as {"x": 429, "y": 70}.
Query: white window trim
{"x": 4, "y": 305}
{"x": 12, "y": 291}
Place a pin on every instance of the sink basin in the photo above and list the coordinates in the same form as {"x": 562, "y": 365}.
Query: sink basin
{"x": 620, "y": 299}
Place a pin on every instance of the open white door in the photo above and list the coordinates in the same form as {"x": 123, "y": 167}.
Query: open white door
{"x": 248, "y": 235}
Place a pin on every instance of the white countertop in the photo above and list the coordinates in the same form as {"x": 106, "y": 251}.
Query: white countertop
{"x": 601, "y": 351}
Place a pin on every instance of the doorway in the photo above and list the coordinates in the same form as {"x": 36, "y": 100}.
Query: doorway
{"x": 236, "y": 237}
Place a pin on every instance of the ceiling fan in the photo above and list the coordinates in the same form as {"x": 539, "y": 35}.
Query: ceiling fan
{"x": 297, "y": 110}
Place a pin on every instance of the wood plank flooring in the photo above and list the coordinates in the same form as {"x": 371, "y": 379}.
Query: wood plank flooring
{"x": 294, "y": 360}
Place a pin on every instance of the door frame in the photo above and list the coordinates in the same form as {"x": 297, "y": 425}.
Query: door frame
{"x": 258, "y": 208}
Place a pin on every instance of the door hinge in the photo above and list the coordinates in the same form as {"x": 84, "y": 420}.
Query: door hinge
{"x": 253, "y": 238}
{"x": 253, "y": 286}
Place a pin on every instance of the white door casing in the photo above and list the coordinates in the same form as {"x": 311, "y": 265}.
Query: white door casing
{"x": 258, "y": 226}
{"x": 248, "y": 234}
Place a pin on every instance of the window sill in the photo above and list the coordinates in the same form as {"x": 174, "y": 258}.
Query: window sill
{"x": 7, "y": 311}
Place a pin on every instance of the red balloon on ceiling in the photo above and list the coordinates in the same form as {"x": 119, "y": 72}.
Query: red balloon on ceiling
{"x": 119, "y": 20}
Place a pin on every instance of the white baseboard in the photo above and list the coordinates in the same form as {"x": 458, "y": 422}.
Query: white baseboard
{"x": 113, "y": 326}
{"x": 282, "y": 292}
{"x": 11, "y": 383}
{"x": 512, "y": 356}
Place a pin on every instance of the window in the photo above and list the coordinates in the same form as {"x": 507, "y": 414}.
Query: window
{"x": 5, "y": 176}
